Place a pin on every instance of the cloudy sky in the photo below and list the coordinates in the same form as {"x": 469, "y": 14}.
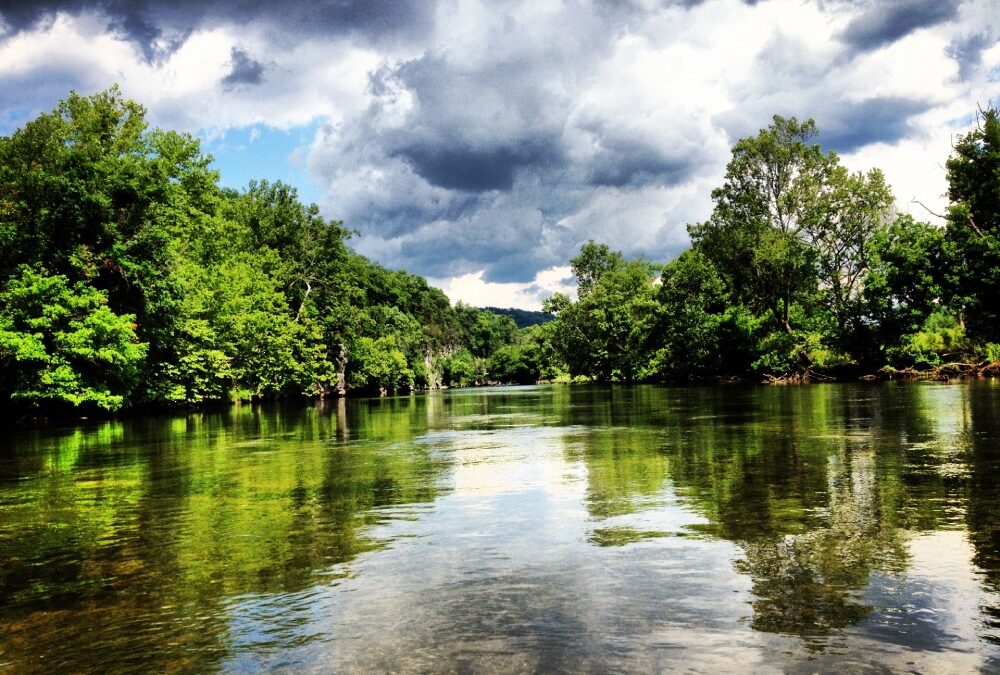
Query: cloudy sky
{"x": 481, "y": 142}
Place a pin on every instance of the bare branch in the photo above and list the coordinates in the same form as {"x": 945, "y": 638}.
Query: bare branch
{"x": 926, "y": 208}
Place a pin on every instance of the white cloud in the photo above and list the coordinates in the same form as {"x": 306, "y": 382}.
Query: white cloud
{"x": 472, "y": 289}
{"x": 315, "y": 79}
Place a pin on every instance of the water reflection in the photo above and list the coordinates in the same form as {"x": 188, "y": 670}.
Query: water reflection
{"x": 547, "y": 528}
{"x": 148, "y": 526}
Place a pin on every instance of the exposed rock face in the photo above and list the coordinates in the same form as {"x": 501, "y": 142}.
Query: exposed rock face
{"x": 341, "y": 361}
{"x": 433, "y": 375}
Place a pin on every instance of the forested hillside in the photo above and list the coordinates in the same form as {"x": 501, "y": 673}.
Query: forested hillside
{"x": 127, "y": 275}
{"x": 522, "y": 317}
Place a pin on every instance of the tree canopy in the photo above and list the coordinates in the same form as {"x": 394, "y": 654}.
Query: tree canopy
{"x": 129, "y": 276}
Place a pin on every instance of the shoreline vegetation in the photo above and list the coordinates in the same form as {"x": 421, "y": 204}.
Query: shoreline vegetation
{"x": 130, "y": 279}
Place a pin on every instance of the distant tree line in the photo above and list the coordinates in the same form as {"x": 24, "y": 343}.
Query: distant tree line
{"x": 128, "y": 276}
{"x": 523, "y": 318}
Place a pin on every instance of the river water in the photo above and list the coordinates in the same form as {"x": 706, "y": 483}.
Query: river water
{"x": 839, "y": 528}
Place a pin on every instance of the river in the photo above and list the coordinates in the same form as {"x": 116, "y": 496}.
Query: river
{"x": 831, "y": 527}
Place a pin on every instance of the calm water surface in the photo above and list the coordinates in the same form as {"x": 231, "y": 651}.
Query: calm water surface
{"x": 540, "y": 529}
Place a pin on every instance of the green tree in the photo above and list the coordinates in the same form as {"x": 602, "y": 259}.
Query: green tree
{"x": 462, "y": 369}
{"x": 842, "y": 220}
{"x": 973, "y": 230}
{"x": 87, "y": 191}
{"x": 484, "y": 332}
{"x": 756, "y": 234}
{"x": 700, "y": 331}
{"x": 790, "y": 234}
{"x": 526, "y": 360}
{"x": 60, "y": 343}
{"x": 605, "y": 335}
{"x": 591, "y": 264}
{"x": 378, "y": 365}
{"x": 906, "y": 284}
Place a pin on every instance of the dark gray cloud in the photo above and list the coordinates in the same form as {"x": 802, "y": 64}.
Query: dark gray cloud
{"x": 159, "y": 27}
{"x": 474, "y": 169}
{"x": 245, "y": 70}
{"x": 886, "y": 21}
{"x": 968, "y": 51}
{"x": 876, "y": 120}
{"x": 800, "y": 87}
{"x": 490, "y": 162}
{"x": 621, "y": 161}
{"x": 844, "y": 125}
{"x": 475, "y": 130}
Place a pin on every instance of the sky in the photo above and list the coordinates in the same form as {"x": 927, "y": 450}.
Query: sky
{"x": 480, "y": 143}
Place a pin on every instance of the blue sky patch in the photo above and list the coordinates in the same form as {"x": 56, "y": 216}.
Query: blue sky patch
{"x": 260, "y": 152}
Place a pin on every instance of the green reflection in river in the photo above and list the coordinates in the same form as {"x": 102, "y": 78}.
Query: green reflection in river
{"x": 157, "y": 522}
{"x": 819, "y": 486}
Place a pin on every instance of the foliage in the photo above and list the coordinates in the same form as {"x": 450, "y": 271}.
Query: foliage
{"x": 60, "y": 343}
{"x": 527, "y": 360}
{"x": 973, "y": 232}
{"x": 605, "y": 335}
{"x": 130, "y": 276}
{"x": 378, "y": 364}
{"x": 756, "y": 235}
{"x": 791, "y": 233}
{"x": 906, "y": 282}
{"x": 484, "y": 332}
{"x": 225, "y": 294}
{"x": 940, "y": 336}
{"x": 700, "y": 331}
{"x": 461, "y": 369}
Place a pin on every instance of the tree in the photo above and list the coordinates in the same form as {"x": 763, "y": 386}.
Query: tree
{"x": 461, "y": 369}
{"x": 700, "y": 330}
{"x": 483, "y": 331}
{"x": 790, "y": 234}
{"x": 312, "y": 248}
{"x": 60, "y": 343}
{"x": 755, "y": 235}
{"x": 842, "y": 220}
{"x": 591, "y": 264}
{"x": 88, "y": 192}
{"x": 377, "y": 365}
{"x": 973, "y": 230}
{"x": 906, "y": 284}
{"x": 605, "y": 334}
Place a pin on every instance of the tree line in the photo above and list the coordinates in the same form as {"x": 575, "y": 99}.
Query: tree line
{"x": 129, "y": 276}
{"x": 803, "y": 269}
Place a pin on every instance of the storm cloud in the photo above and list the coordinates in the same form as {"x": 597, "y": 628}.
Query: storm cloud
{"x": 461, "y": 137}
{"x": 245, "y": 70}
{"x": 148, "y": 23}
{"x": 886, "y": 21}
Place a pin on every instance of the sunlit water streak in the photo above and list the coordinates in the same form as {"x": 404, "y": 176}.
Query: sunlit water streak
{"x": 541, "y": 529}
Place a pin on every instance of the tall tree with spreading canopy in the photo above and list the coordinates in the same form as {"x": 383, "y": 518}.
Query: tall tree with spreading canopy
{"x": 756, "y": 232}
{"x": 790, "y": 233}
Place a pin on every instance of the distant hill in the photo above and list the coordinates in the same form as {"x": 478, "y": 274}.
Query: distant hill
{"x": 522, "y": 317}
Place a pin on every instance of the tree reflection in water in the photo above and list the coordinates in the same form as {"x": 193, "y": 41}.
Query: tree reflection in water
{"x": 821, "y": 489}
